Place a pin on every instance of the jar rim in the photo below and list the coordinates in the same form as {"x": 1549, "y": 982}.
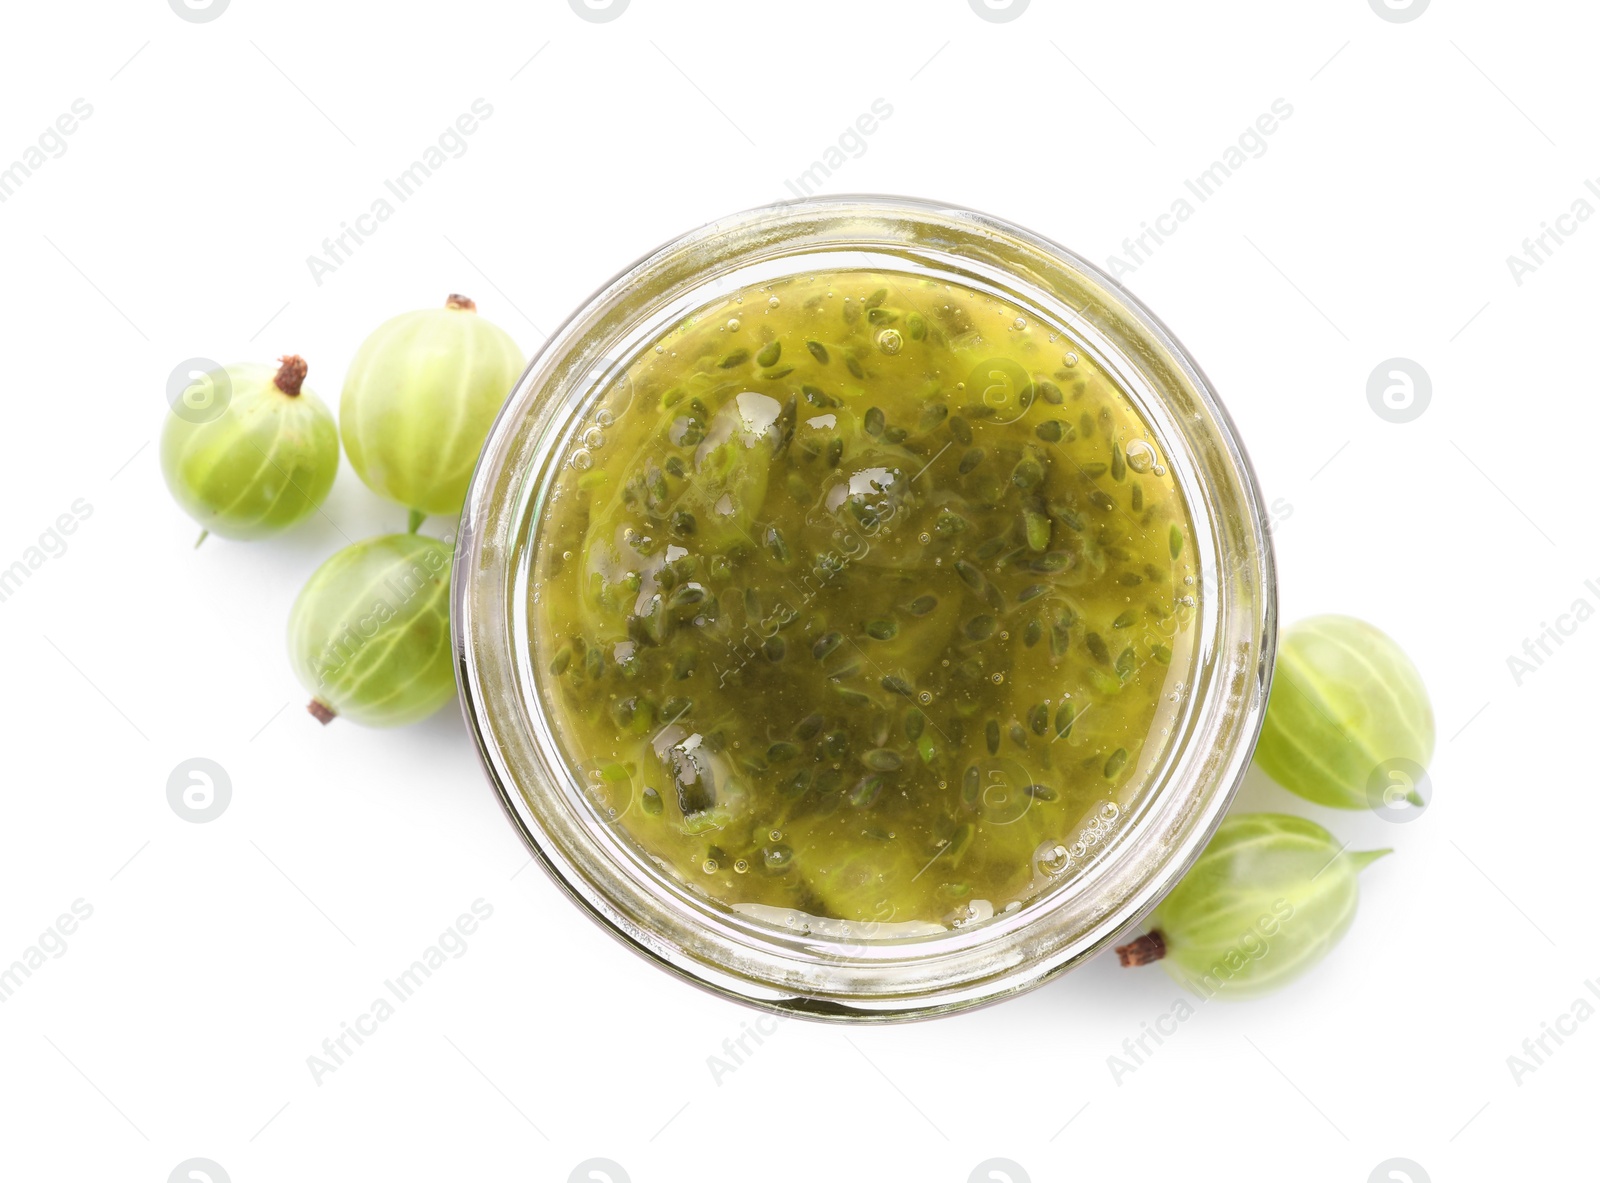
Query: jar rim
{"x": 802, "y": 973}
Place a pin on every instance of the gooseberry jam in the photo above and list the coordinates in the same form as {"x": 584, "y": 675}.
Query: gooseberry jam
{"x": 862, "y": 596}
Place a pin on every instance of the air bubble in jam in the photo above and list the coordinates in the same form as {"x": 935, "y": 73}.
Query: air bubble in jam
{"x": 581, "y": 460}
{"x": 1055, "y": 860}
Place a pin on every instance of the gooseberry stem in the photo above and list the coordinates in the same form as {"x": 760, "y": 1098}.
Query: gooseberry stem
{"x": 321, "y": 712}
{"x": 1150, "y": 947}
{"x": 415, "y": 523}
{"x": 204, "y": 534}
{"x": 291, "y": 374}
{"x": 462, "y": 303}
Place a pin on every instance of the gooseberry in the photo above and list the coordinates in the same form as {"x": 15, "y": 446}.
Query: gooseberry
{"x": 261, "y": 456}
{"x": 369, "y": 634}
{"x": 419, "y": 399}
{"x": 1268, "y": 898}
{"x": 1348, "y": 714}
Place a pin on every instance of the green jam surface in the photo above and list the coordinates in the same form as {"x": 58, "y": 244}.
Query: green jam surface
{"x": 864, "y": 598}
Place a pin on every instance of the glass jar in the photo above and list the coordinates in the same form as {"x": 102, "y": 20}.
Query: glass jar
{"x": 831, "y": 970}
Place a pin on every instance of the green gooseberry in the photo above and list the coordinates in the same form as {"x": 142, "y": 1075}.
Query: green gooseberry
{"x": 419, "y": 399}
{"x": 1348, "y": 713}
{"x": 369, "y": 634}
{"x": 256, "y": 456}
{"x": 1268, "y": 898}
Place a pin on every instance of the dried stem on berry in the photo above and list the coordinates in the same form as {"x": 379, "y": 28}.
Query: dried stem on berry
{"x": 1148, "y": 948}
{"x": 291, "y": 374}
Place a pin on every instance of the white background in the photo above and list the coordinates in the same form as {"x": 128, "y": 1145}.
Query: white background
{"x": 218, "y": 157}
